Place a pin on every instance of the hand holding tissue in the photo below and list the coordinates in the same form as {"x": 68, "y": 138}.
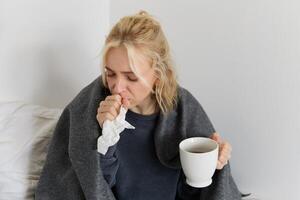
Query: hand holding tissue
{"x": 111, "y": 131}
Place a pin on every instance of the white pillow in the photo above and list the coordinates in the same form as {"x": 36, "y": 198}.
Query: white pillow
{"x": 25, "y": 132}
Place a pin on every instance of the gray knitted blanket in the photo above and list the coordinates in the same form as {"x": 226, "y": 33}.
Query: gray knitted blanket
{"x": 72, "y": 168}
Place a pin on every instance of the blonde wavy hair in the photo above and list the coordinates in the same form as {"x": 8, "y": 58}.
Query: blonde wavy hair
{"x": 141, "y": 31}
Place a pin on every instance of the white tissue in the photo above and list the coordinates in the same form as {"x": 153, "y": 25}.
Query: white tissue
{"x": 111, "y": 131}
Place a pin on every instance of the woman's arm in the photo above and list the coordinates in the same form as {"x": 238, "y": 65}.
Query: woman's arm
{"x": 109, "y": 165}
{"x": 58, "y": 179}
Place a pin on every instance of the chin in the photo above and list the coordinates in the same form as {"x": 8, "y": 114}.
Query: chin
{"x": 132, "y": 104}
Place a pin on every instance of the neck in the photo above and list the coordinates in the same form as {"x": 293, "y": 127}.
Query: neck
{"x": 148, "y": 107}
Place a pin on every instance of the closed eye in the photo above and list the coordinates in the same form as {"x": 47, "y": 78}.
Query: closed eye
{"x": 130, "y": 78}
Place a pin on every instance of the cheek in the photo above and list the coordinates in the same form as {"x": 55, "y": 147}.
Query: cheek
{"x": 108, "y": 80}
{"x": 139, "y": 92}
{"x": 109, "y": 84}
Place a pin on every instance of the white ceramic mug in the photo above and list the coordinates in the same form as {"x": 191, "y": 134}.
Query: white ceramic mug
{"x": 198, "y": 157}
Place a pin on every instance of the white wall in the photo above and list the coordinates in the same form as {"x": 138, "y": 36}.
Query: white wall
{"x": 241, "y": 60}
{"x": 49, "y": 49}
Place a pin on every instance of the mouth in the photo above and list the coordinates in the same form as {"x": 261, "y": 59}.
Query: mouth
{"x": 124, "y": 96}
{"x": 128, "y": 99}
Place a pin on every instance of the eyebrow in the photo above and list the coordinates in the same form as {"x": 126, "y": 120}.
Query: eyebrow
{"x": 124, "y": 72}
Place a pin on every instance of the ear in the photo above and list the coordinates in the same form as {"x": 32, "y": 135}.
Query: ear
{"x": 156, "y": 82}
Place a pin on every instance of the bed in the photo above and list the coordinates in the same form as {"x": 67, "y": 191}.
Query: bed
{"x": 25, "y": 132}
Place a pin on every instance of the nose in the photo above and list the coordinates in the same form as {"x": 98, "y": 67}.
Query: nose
{"x": 119, "y": 86}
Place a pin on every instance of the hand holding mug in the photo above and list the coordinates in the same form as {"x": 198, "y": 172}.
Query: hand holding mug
{"x": 224, "y": 150}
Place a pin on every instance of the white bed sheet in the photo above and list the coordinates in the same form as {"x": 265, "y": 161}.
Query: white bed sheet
{"x": 25, "y": 132}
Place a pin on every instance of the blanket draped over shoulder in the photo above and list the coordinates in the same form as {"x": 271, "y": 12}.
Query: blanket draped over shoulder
{"x": 72, "y": 169}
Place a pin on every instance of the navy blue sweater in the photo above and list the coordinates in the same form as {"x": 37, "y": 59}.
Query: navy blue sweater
{"x": 132, "y": 169}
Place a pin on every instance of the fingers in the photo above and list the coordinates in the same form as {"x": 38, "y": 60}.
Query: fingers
{"x": 216, "y": 137}
{"x": 223, "y": 159}
{"x": 111, "y": 108}
{"x": 108, "y": 109}
{"x": 221, "y": 165}
{"x": 104, "y": 116}
{"x": 224, "y": 154}
{"x": 106, "y": 106}
{"x": 118, "y": 98}
{"x": 115, "y": 97}
{"x": 125, "y": 102}
{"x": 224, "y": 150}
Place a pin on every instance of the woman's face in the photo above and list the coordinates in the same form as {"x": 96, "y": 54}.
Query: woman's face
{"x": 121, "y": 79}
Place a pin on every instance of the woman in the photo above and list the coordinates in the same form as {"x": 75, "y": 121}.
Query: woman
{"x": 137, "y": 74}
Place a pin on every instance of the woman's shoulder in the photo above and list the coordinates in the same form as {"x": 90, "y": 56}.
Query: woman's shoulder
{"x": 94, "y": 91}
{"x": 185, "y": 96}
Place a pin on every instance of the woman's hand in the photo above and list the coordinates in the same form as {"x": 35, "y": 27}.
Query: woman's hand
{"x": 109, "y": 109}
{"x": 224, "y": 150}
